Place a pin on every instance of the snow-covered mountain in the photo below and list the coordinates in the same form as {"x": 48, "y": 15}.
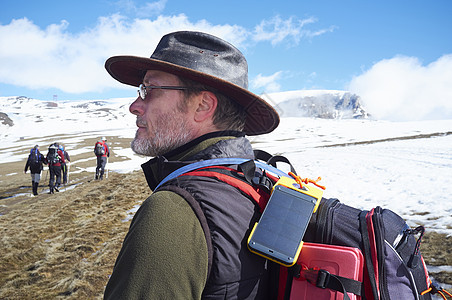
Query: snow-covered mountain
{"x": 22, "y": 117}
{"x": 23, "y": 114}
{"x": 323, "y": 104}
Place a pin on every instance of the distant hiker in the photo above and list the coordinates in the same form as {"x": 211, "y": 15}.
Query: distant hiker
{"x": 102, "y": 151}
{"x": 35, "y": 162}
{"x": 64, "y": 165}
{"x": 55, "y": 157}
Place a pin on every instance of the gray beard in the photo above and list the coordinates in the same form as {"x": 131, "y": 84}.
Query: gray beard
{"x": 171, "y": 133}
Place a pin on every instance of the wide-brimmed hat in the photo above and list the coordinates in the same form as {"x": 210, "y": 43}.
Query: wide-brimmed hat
{"x": 206, "y": 59}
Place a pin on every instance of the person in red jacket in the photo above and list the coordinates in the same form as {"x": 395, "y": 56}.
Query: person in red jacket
{"x": 54, "y": 158}
{"x": 102, "y": 151}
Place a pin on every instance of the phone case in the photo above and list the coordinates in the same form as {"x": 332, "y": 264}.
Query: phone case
{"x": 338, "y": 260}
{"x": 278, "y": 234}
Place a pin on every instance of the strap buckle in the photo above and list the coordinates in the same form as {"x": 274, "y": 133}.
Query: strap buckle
{"x": 318, "y": 277}
{"x": 323, "y": 278}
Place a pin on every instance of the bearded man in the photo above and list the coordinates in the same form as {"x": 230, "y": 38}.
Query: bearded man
{"x": 188, "y": 239}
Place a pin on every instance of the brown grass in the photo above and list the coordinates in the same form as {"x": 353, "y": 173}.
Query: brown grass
{"x": 63, "y": 246}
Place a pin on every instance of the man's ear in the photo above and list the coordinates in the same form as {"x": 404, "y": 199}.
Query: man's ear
{"x": 206, "y": 106}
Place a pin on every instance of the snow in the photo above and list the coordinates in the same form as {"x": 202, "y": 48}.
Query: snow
{"x": 403, "y": 166}
{"x": 407, "y": 174}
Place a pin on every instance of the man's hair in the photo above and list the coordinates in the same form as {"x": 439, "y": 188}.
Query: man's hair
{"x": 228, "y": 115}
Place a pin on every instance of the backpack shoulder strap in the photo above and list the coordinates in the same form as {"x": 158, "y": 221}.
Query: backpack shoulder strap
{"x": 272, "y": 159}
{"x": 236, "y": 179}
{"x": 219, "y": 162}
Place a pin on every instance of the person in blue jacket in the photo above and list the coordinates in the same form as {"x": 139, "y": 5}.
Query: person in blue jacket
{"x": 35, "y": 162}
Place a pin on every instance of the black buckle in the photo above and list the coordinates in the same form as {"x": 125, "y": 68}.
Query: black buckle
{"x": 323, "y": 279}
{"x": 263, "y": 182}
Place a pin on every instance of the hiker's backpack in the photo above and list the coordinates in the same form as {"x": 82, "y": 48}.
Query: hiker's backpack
{"x": 35, "y": 157}
{"x": 99, "y": 149}
{"x": 393, "y": 266}
{"x": 53, "y": 156}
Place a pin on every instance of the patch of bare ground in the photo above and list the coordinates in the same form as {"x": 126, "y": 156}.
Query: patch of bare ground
{"x": 63, "y": 246}
{"x": 436, "y": 249}
{"x": 401, "y": 138}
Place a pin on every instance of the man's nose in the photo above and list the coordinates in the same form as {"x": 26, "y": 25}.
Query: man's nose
{"x": 136, "y": 107}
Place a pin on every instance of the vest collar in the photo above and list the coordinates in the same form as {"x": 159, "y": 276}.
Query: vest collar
{"x": 212, "y": 145}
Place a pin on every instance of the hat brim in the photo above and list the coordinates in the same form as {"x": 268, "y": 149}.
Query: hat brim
{"x": 261, "y": 117}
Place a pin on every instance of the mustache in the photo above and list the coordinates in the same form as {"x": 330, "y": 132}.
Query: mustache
{"x": 141, "y": 123}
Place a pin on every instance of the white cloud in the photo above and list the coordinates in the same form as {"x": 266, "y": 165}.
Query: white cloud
{"x": 268, "y": 83}
{"x": 402, "y": 88}
{"x": 277, "y": 30}
{"x": 147, "y": 9}
{"x": 54, "y": 57}
{"x": 152, "y": 8}
{"x": 312, "y": 75}
{"x": 74, "y": 63}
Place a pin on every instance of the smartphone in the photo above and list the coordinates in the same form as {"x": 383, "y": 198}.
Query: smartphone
{"x": 278, "y": 234}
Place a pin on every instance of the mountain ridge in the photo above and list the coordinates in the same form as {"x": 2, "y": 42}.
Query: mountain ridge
{"x": 329, "y": 104}
{"x": 325, "y": 104}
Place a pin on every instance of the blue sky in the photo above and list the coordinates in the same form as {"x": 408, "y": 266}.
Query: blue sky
{"x": 372, "y": 48}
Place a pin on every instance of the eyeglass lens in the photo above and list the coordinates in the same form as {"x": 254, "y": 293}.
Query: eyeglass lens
{"x": 142, "y": 92}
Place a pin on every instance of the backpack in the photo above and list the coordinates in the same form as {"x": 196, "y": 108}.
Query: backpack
{"x": 35, "y": 157}
{"x": 99, "y": 149}
{"x": 52, "y": 156}
{"x": 393, "y": 266}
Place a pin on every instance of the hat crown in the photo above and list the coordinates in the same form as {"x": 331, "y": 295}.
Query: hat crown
{"x": 204, "y": 53}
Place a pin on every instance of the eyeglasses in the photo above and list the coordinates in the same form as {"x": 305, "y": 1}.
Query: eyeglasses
{"x": 143, "y": 90}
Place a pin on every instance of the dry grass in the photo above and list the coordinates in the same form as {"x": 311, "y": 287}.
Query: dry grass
{"x": 64, "y": 246}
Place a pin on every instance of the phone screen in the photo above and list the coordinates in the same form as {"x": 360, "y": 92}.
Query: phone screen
{"x": 281, "y": 228}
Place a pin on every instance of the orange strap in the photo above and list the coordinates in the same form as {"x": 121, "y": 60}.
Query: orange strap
{"x": 441, "y": 292}
{"x": 300, "y": 181}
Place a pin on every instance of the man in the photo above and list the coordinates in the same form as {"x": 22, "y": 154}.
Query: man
{"x": 101, "y": 151}
{"x": 54, "y": 158}
{"x": 65, "y": 165}
{"x": 188, "y": 239}
{"x": 35, "y": 162}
